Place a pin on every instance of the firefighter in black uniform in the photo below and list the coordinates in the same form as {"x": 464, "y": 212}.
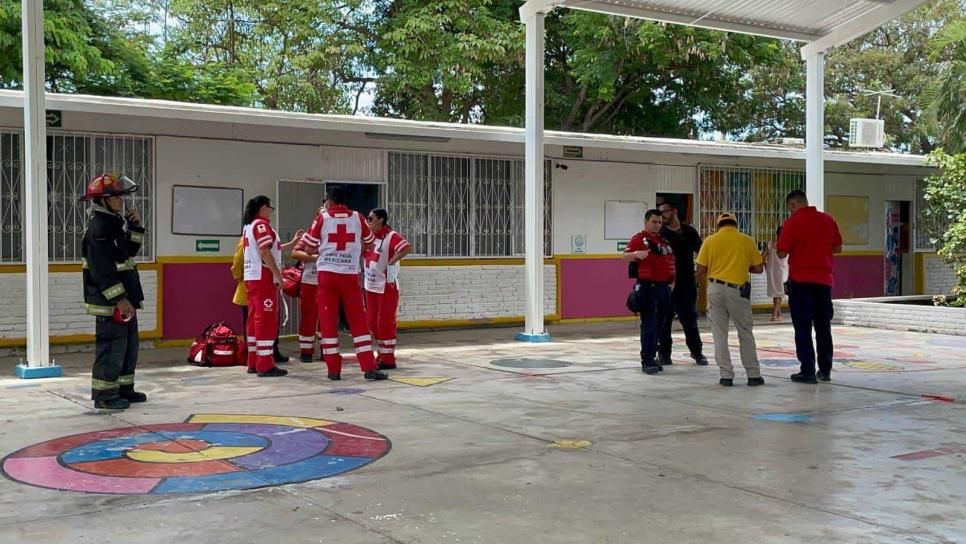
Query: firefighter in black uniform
{"x": 112, "y": 290}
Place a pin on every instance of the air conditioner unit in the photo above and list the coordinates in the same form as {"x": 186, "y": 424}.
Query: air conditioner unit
{"x": 866, "y": 133}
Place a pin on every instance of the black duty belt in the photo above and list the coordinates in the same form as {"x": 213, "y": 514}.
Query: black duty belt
{"x": 653, "y": 283}
{"x": 732, "y": 285}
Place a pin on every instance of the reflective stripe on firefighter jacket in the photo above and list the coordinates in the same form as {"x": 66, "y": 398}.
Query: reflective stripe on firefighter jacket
{"x": 108, "y": 250}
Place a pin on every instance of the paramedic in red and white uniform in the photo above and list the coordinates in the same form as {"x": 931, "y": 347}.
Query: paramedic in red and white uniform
{"x": 382, "y": 287}
{"x": 339, "y": 235}
{"x": 263, "y": 254}
{"x": 308, "y": 301}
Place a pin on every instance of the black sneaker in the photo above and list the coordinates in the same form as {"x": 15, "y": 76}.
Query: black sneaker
{"x": 801, "y": 378}
{"x": 306, "y": 358}
{"x": 700, "y": 360}
{"x": 650, "y": 369}
{"x": 274, "y": 372}
{"x": 116, "y": 403}
{"x": 376, "y": 375}
{"x": 335, "y": 377}
{"x": 753, "y": 382}
{"x": 727, "y": 382}
{"x": 824, "y": 376}
{"x": 279, "y": 358}
{"x": 134, "y": 396}
{"x": 386, "y": 366}
{"x": 663, "y": 360}
{"x": 252, "y": 371}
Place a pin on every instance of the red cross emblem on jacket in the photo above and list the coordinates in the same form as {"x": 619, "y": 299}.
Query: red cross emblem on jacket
{"x": 341, "y": 238}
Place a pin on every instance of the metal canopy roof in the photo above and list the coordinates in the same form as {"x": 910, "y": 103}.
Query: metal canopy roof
{"x": 821, "y": 23}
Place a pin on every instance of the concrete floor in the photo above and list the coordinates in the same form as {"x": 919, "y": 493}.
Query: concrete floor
{"x": 484, "y": 457}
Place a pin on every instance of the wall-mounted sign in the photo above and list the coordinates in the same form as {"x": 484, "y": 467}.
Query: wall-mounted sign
{"x": 208, "y": 246}
{"x": 578, "y": 244}
{"x": 54, "y": 118}
{"x": 622, "y": 245}
{"x": 573, "y": 152}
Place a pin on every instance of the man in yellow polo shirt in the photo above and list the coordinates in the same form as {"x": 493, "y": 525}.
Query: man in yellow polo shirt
{"x": 725, "y": 259}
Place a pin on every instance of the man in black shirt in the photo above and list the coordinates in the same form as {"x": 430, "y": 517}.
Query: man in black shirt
{"x": 685, "y": 241}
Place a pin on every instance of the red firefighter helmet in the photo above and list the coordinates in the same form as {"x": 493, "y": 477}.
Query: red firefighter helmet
{"x": 109, "y": 185}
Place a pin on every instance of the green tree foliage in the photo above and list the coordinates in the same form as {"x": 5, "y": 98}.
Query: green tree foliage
{"x": 301, "y": 55}
{"x": 630, "y": 76}
{"x": 463, "y": 61}
{"x": 86, "y": 53}
{"x": 948, "y": 95}
{"x": 895, "y": 56}
{"x": 946, "y": 199}
{"x": 449, "y": 60}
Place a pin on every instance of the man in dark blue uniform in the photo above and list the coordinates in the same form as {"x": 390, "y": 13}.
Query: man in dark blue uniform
{"x": 686, "y": 242}
{"x": 112, "y": 290}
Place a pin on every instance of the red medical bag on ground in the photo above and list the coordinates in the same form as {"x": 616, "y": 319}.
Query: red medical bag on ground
{"x": 217, "y": 346}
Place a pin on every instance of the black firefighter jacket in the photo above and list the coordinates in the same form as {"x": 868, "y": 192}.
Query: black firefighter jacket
{"x": 108, "y": 258}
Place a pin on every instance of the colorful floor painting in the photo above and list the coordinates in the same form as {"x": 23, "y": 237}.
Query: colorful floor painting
{"x": 208, "y": 452}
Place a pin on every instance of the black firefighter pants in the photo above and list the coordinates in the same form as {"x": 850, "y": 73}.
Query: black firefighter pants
{"x": 116, "y": 355}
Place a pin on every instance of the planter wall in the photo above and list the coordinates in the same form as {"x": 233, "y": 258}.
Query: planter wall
{"x": 879, "y": 313}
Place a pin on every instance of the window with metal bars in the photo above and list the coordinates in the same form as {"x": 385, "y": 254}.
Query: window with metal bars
{"x": 924, "y": 225}
{"x": 755, "y": 195}
{"x": 72, "y": 160}
{"x": 462, "y": 206}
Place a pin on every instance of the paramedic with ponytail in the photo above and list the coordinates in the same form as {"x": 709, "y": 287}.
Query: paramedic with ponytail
{"x": 263, "y": 254}
{"x": 382, "y": 288}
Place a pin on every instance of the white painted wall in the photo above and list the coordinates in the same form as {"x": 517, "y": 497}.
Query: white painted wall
{"x": 879, "y": 189}
{"x": 221, "y": 163}
{"x": 580, "y": 191}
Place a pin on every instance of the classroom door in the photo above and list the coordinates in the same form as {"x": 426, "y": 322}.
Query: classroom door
{"x": 897, "y": 245}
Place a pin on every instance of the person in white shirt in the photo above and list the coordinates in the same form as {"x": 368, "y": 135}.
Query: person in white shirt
{"x": 382, "y": 285}
{"x": 776, "y": 272}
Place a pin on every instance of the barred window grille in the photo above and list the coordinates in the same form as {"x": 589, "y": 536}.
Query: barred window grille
{"x": 11, "y": 197}
{"x": 72, "y": 160}
{"x": 755, "y": 195}
{"x": 462, "y": 206}
{"x": 923, "y": 223}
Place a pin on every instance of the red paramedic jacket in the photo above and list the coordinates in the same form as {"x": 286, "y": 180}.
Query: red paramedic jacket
{"x": 658, "y": 267}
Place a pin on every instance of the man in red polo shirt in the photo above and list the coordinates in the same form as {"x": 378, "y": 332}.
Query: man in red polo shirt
{"x": 809, "y": 238}
{"x": 655, "y": 278}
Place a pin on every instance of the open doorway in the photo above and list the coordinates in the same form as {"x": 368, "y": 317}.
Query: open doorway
{"x": 684, "y": 202}
{"x": 297, "y": 202}
{"x": 898, "y": 257}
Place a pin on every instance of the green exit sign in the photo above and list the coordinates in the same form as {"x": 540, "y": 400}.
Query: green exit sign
{"x": 55, "y": 119}
{"x": 622, "y": 245}
{"x": 208, "y": 246}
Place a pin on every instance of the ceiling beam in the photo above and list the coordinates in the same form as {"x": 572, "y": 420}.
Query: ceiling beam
{"x": 533, "y": 7}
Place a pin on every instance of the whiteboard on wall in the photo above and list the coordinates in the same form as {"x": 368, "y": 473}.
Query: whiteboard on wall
{"x": 206, "y": 211}
{"x": 623, "y": 218}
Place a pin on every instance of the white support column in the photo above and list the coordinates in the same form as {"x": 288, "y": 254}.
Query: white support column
{"x": 533, "y": 329}
{"x": 38, "y": 363}
{"x": 815, "y": 130}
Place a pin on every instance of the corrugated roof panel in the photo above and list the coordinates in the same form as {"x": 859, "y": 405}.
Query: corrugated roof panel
{"x": 793, "y": 18}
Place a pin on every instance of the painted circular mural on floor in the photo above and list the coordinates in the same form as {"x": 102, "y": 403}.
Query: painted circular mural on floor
{"x": 208, "y": 452}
